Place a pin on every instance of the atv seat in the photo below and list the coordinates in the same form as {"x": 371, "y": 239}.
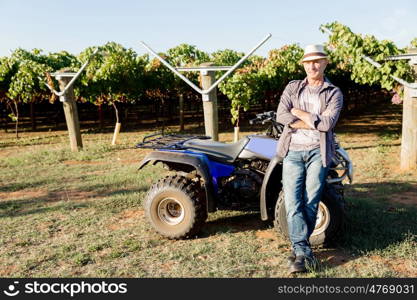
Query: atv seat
{"x": 217, "y": 150}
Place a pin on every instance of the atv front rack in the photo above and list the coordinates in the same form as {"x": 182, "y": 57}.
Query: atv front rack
{"x": 167, "y": 141}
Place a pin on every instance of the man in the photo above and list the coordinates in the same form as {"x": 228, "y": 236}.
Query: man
{"x": 309, "y": 109}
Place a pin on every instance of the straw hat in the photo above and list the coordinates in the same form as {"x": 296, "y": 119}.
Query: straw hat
{"x": 312, "y": 52}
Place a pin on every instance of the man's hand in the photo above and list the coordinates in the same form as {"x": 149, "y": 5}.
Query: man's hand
{"x": 298, "y": 113}
{"x": 302, "y": 115}
{"x": 294, "y": 111}
{"x": 299, "y": 124}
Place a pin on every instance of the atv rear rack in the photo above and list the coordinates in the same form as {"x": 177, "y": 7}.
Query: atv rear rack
{"x": 167, "y": 141}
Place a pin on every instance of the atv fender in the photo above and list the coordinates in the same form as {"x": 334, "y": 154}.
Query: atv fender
{"x": 270, "y": 174}
{"x": 185, "y": 159}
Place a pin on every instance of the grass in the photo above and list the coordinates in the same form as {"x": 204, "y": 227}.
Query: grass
{"x": 65, "y": 214}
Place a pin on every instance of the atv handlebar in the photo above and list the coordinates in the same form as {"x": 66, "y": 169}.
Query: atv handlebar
{"x": 263, "y": 118}
{"x": 275, "y": 128}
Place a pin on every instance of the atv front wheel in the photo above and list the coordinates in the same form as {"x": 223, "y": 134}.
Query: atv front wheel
{"x": 175, "y": 207}
{"x": 330, "y": 216}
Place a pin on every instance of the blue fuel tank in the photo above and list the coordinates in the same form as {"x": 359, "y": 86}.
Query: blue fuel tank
{"x": 259, "y": 146}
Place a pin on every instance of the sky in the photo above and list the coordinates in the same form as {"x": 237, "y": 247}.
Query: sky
{"x": 73, "y": 25}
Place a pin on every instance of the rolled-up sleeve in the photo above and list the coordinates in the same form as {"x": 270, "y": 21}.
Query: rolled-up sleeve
{"x": 327, "y": 120}
{"x": 284, "y": 115}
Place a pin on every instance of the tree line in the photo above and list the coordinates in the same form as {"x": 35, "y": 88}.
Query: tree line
{"x": 118, "y": 75}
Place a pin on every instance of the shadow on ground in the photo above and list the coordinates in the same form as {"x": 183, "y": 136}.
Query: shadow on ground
{"x": 25, "y": 203}
{"x": 380, "y": 215}
{"x": 240, "y": 223}
{"x": 386, "y": 122}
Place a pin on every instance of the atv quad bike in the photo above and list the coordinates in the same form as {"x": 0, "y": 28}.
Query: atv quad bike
{"x": 245, "y": 175}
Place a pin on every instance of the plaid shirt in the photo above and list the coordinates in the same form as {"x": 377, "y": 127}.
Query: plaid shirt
{"x": 331, "y": 103}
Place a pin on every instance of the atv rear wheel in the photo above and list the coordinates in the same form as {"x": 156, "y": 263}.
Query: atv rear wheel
{"x": 175, "y": 207}
{"x": 330, "y": 216}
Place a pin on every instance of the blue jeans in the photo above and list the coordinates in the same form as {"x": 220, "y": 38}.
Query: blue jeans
{"x": 303, "y": 179}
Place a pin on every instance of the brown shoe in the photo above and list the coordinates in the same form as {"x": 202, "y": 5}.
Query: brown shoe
{"x": 291, "y": 258}
{"x": 304, "y": 264}
{"x": 298, "y": 265}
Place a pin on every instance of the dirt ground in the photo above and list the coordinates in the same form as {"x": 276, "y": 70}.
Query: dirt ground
{"x": 372, "y": 139}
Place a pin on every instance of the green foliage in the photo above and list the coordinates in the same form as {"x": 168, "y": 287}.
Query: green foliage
{"x": 161, "y": 83}
{"x": 21, "y": 78}
{"x": 159, "y": 80}
{"x": 186, "y": 55}
{"x": 7, "y": 69}
{"x": 20, "y": 73}
{"x": 244, "y": 87}
{"x": 61, "y": 60}
{"x": 225, "y": 57}
{"x": 283, "y": 65}
{"x": 119, "y": 75}
{"x": 251, "y": 83}
{"x": 349, "y": 49}
{"x": 113, "y": 75}
{"x": 25, "y": 83}
{"x": 12, "y": 116}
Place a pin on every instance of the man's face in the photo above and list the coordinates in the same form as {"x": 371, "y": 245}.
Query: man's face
{"x": 315, "y": 68}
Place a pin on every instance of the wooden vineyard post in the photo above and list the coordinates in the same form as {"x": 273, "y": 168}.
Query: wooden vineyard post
{"x": 409, "y": 127}
{"x": 236, "y": 134}
{"x": 181, "y": 104}
{"x": 66, "y": 96}
{"x": 71, "y": 113}
{"x": 116, "y": 133}
{"x": 211, "y": 117}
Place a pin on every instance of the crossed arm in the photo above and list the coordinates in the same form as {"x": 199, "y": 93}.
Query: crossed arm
{"x": 304, "y": 121}
{"x": 299, "y": 124}
{"x": 299, "y": 119}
